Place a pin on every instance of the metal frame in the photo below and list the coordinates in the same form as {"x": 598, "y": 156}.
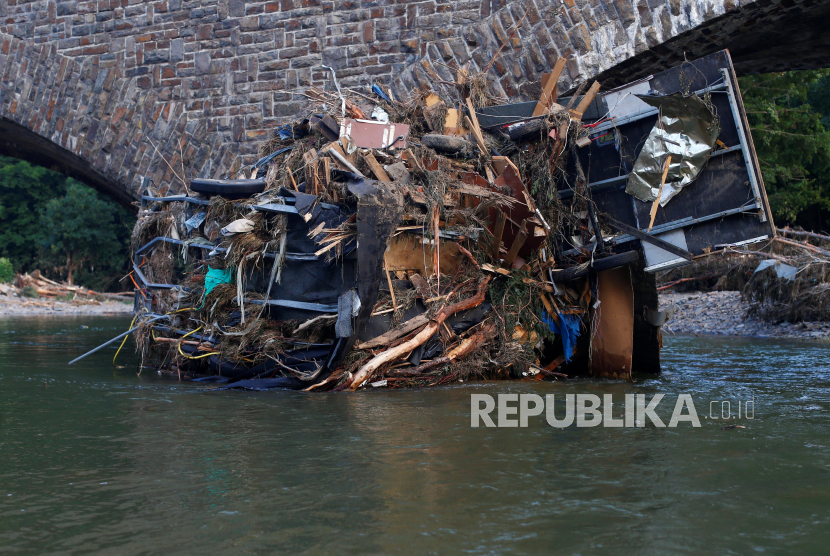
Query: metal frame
{"x": 288, "y": 256}
{"x": 568, "y": 193}
{"x": 753, "y": 182}
{"x": 674, "y": 225}
{"x": 646, "y": 113}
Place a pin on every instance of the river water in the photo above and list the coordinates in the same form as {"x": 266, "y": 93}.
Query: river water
{"x": 97, "y": 460}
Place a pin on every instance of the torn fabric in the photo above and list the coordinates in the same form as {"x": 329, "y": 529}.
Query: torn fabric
{"x": 569, "y": 331}
{"x": 687, "y": 130}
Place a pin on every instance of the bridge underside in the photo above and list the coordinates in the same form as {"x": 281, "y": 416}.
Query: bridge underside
{"x": 19, "y": 142}
{"x": 797, "y": 40}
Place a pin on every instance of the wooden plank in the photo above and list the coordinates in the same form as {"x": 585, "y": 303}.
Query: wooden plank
{"x": 453, "y": 124}
{"x": 432, "y": 99}
{"x": 473, "y": 121}
{"x": 389, "y": 281}
{"x": 490, "y": 268}
{"x": 586, "y": 101}
{"x": 327, "y": 171}
{"x": 659, "y": 192}
{"x": 521, "y": 237}
{"x": 491, "y": 175}
{"x": 498, "y": 232}
{"x": 555, "y": 363}
{"x": 548, "y": 96}
{"x": 500, "y": 164}
{"x": 334, "y": 146}
{"x": 417, "y": 166}
{"x": 515, "y": 168}
{"x": 376, "y": 168}
{"x": 479, "y": 140}
{"x": 311, "y": 172}
{"x": 395, "y": 333}
{"x": 408, "y": 252}
{"x": 547, "y": 304}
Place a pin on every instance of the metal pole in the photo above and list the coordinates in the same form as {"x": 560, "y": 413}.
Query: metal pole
{"x": 105, "y": 344}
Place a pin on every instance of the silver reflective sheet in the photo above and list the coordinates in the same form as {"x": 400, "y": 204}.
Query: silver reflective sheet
{"x": 687, "y": 131}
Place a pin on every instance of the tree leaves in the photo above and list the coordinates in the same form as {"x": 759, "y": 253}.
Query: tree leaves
{"x": 786, "y": 113}
{"x": 44, "y": 216}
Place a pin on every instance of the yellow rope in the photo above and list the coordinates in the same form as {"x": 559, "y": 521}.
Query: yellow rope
{"x": 179, "y": 345}
{"x": 124, "y": 341}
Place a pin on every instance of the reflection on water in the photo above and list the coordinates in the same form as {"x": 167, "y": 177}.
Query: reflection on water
{"x": 99, "y": 460}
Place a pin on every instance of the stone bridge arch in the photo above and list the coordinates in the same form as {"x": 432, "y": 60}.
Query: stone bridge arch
{"x": 109, "y": 91}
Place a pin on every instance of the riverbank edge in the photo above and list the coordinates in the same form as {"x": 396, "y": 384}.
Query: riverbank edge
{"x": 723, "y": 314}
{"x": 11, "y": 306}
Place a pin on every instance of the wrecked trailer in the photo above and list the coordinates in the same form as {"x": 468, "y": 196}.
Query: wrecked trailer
{"x": 449, "y": 237}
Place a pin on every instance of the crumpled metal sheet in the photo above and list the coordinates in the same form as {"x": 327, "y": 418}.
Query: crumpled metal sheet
{"x": 687, "y": 130}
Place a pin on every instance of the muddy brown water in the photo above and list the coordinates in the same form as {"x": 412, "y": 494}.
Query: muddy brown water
{"x": 98, "y": 460}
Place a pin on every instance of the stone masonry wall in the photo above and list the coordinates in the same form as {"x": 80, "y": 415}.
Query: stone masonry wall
{"x": 176, "y": 88}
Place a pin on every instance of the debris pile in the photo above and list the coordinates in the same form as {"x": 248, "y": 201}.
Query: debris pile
{"x": 785, "y": 279}
{"x": 36, "y": 285}
{"x": 439, "y": 239}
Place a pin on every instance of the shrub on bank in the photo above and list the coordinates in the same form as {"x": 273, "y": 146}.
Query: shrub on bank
{"x": 30, "y": 291}
{"x": 6, "y": 271}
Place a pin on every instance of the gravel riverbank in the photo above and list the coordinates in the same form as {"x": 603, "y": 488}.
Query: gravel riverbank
{"x": 24, "y": 306}
{"x": 723, "y": 314}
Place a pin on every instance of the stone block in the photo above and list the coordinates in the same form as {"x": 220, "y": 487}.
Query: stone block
{"x": 157, "y": 57}
{"x": 202, "y": 61}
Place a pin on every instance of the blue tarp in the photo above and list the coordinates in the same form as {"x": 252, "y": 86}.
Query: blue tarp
{"x": 571, "y": 324}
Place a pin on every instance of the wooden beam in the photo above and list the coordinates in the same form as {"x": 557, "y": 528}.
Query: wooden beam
{"x": 473, "y": 121}
{"x": 546, "y": 303}
{"x": 548, "y": 96}
{"x": 417, "y": 166}
{"x": 555, "y": 363}
{"x": 401, "y": 330}
{"x": 659, "y": 192}
{"x": 311, "y": 171}
{"x": 389, "y": 281}
{"x": 490, "y": 268}
{"x": 586, "y": 101}
{"x": 327, "y": 171}
{"x": 376, "y": 168}
{"x": 498, "y": 232}
{"x": 521, "y": 237}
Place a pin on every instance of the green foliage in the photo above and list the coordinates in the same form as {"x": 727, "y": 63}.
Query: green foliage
{"x": 819, "y": 98}
{"x": 24, "y": 190}
{"x": 82, "y": 230}
{"x": 6, "y": 270}
{"x": 789, "y": 115}
{"x": 519, "y": 305}
{"x": 47, "y": 219}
